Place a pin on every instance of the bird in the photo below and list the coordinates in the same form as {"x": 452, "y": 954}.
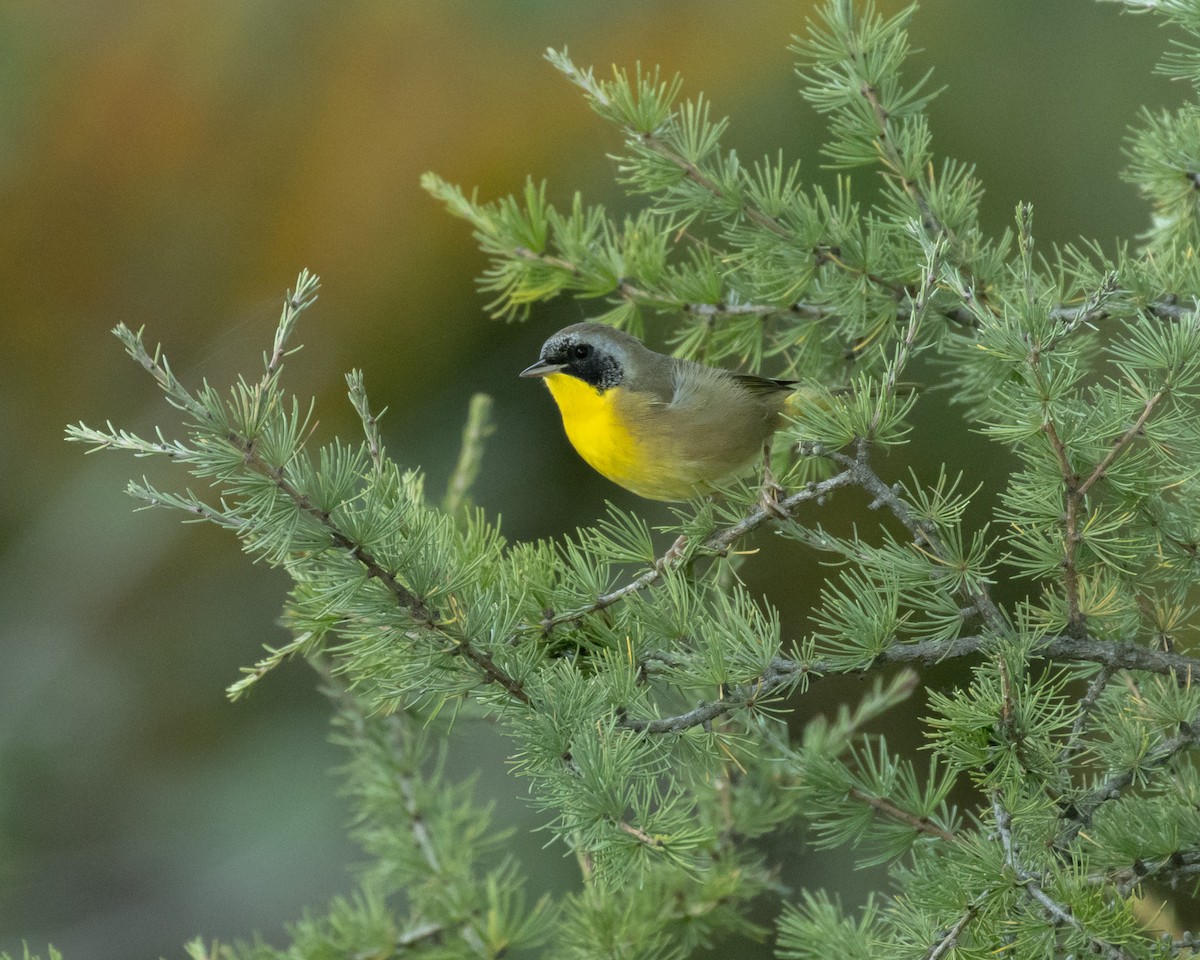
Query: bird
{"x": 662, "y": 427}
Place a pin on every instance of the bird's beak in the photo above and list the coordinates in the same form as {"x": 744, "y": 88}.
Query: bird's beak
{"x": 541, "y": 369}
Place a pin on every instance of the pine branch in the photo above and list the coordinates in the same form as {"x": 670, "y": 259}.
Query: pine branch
{"x": 1081, "y": 811}
{"x": 949, "y": 940}
{"x": 1180, "y": 865}
{"x": 1031, "y": 882}
{"x": 918, "y": 306}
{"x": 923, "y": 534}
{"x": 304, "y": 296}
{"x": 1122, "y": 443}
{"x": 421, "y": 614}
{"x": 254, "y": 462}
{"x": 798, "y": 308}
{"x": 885, "y": 807}
{"x": 822, "y": 253}
{"x": 370, "y": 421}
{"x": 1097, "y": 309}
{"x": 640, "y": 835}
{"x": 634, "y": 292}
{"x": 654, "y": 142}
{"x": 784, "y": 673}
{"x": 718, "y": 544}
{"x": 781, "y": 674}
{"x": 1083, "y": 710}
{"x": 622, "y": 287}
{"x": 895, "y": 163}
{"x": 1165, "y": 308}
{"x": 1075, "y": 490}
{"x": 412, "y": 820}
{"x": 1070, "y": 527}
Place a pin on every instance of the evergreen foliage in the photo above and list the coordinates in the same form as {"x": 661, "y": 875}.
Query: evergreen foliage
{"x": 645, "y": 694}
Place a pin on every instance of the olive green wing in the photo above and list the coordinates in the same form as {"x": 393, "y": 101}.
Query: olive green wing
{"x": 762, "y": 385}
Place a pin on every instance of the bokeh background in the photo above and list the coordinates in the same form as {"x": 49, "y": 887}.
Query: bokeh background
{"x": 175, "y": 165}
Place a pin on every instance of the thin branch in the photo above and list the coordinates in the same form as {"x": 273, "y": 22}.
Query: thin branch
{"x": 752, "y": 213}
{"x": 1075, "y": 487}
{"x": 417, "y": 935}
{"x": 623, "y": 287}
{"x": 890, "y": 154}
{"x": 949, "y": 939}
{"x": 780, "y": 674}
{"x": 1180, "y": 865}
{"x": 296, "y": 302}
{"x": 718, "y": 544}
{"x": 1164, "y": 308}
{"x": 822, "y": 253}
{"x": 918, "y": 305}
{"x": 1123, "y": 441}
{"x": 1119, "y": 656}
{"x": 1031, "y": 883}
{"x": 885, "y": 807}
{"x": 417, "y": 608}
{"x": 672, "y": 558}
{"x": 1083, "y": 710}
{"x": 857, "y": 471}
{"x": 1083, "y": 809}
{"x": 648, "y": 140}
{"x": 640, "y": 835}
{"x": 933, "y": 225}
{"x": 783, "y": 673}
{"x": 1071, "y": 536}
{"x": 630, "y": 291}
{"x": 370, "y": 421}
{"x": 810, "y": 311}
{"x": 422, "y": 839}
{"x": 863, "y": 475}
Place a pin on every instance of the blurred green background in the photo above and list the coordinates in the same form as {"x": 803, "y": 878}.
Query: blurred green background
{"x": 174, "y": 165}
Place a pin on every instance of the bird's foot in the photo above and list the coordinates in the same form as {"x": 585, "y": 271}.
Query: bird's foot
{"x": 673, "y": 554}
{"x": 769, "y": 495}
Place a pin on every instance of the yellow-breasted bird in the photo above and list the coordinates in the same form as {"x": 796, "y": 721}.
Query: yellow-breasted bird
{"x": 661, "y": 427}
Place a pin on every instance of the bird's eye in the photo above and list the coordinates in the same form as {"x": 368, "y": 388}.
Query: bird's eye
{"x": 582, "y": 351}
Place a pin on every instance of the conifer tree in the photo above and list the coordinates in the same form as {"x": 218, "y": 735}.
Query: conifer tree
{"x": 645, "y": 694}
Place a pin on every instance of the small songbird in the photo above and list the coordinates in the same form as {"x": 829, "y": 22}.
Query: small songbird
{"x": 661, "y": 427}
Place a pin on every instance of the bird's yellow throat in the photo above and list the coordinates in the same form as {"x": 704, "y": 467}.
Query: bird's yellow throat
{"x": 596, "y": 429}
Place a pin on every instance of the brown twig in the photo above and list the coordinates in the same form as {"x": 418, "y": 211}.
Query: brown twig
{"x": 640, "y": 835}
{"x": 1123, "y": 441}
{"x": 884, "y": 806}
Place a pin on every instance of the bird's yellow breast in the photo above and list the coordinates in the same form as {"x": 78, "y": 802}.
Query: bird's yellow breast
{"x": 600, "y": 429}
